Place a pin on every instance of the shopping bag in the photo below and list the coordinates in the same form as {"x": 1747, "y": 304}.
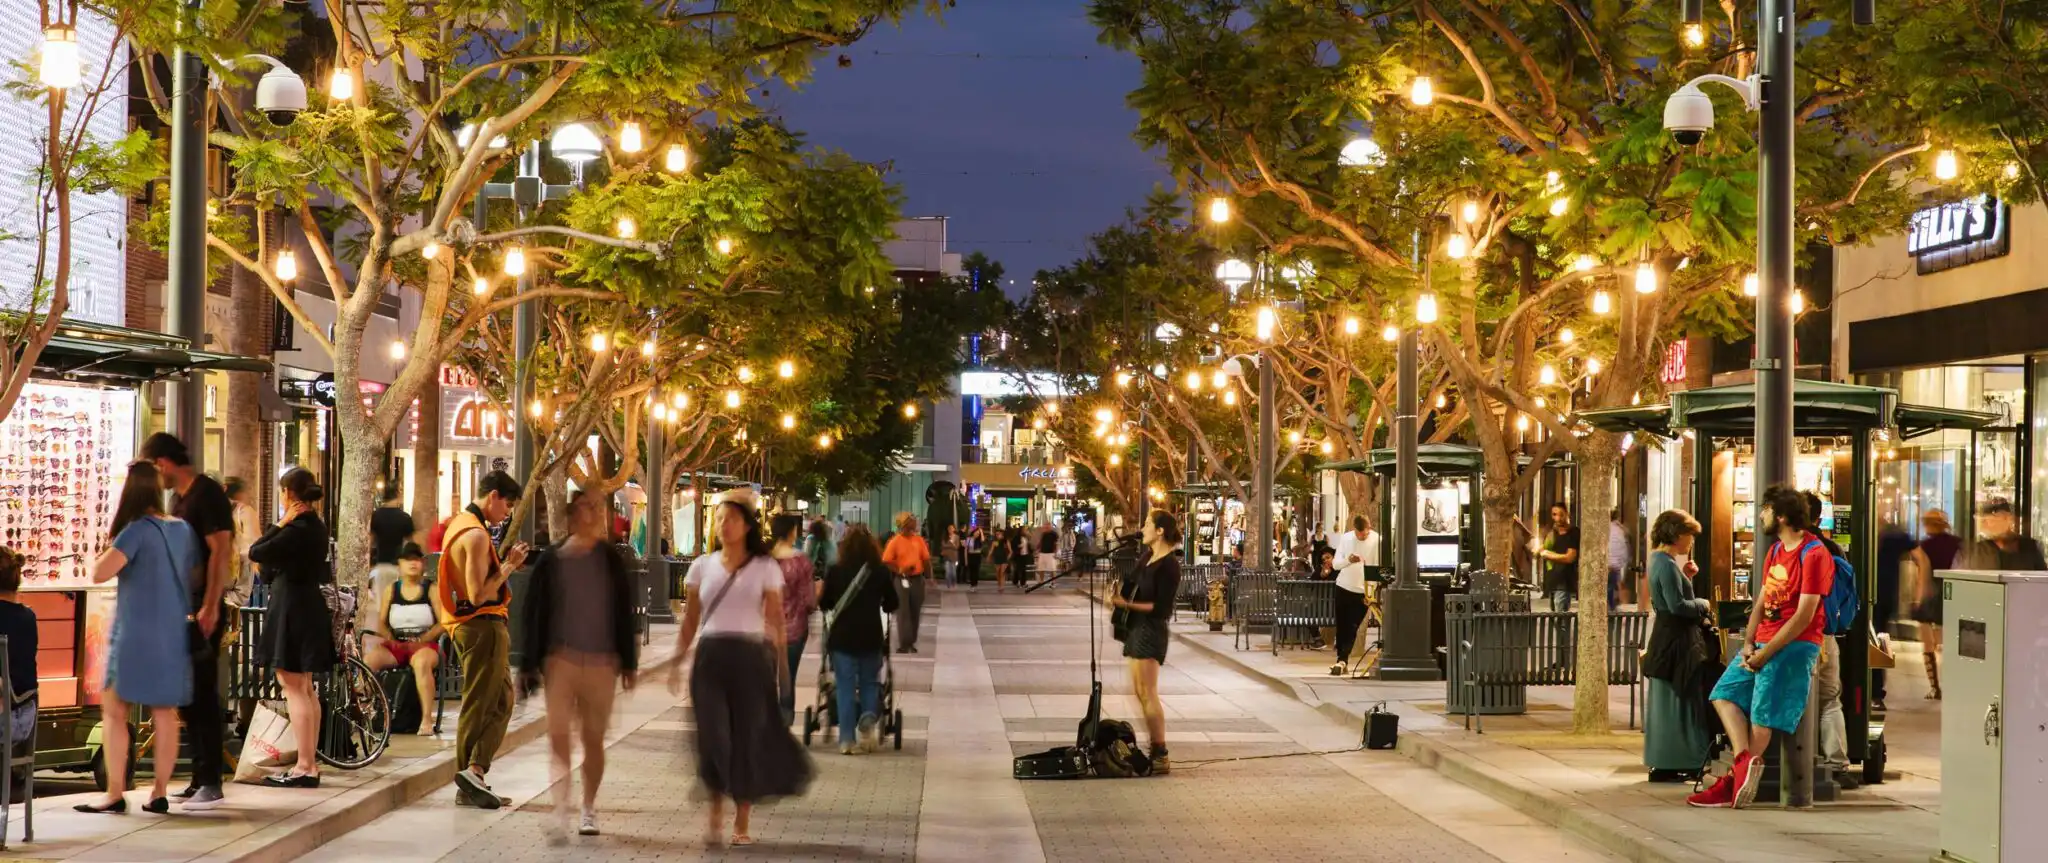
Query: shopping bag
{"x": 268, "y": 746}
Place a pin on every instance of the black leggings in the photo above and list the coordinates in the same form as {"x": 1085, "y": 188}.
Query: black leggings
{"x": 1350, "y": 613}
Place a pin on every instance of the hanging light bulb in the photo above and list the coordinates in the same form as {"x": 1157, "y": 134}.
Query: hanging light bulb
{"x": 515, "y": 261}
{"x": 1103, "y": 414}
{"x": 1585, "y": 263}
{"x": 1945, "y": 167}
{"x": 1351, "y": 325}
{"x": 1294, "y": 438}
{"x": 599, "y": 343}
{"x": 1750, "y": 285}
{"x": 1115, "y": 459}
{"x": 732, "y": 399}
{"x": 1521, "y": 422}
{"x": 678, "y": 159}
{"x": 785, "y": 369}
{"x": 1425, "y": 309}
{"x": 788, "y": 421}
{"x": 287, "y": 266}
{"x": 1695, "y": 35}
{"x": 1442, "y": 401}
{"x": 824, "y": 441}
{"x": 1194, "y": 380}
{"x": 1635, "y": 399}
{"x": 910, "y": 410}
{"x": 647, "y": 348}
{"x": 1565, "y": 336}
{"x": 1592, "y": 365}
{"x": 1560, "y": 205}
{"x": 1038, "y": 423}
{"x": 431, "y": 250}
{"x": 60, "y": 68}
{"x": 1798, "y": 302}
{"x": 746, "y": 374}
{"x": 1646, "y": 278}
{"x": 725, "y": 245}
{"x": 1456, "y": 247}
{"x": 1602, "y": 303}
{"x": 1230, "y": 397}
{"x": 536, "y": 409}
{"x": 341, "y": 86}
{"x": 1469, "y": 211}
{"x": 1123, "y": 378}
{"x": 397, "y": 349}
{"x": 1390, "y": 332}
{"x": 481, "y": 286}
{"x": 1267, "y": 321}
{"x": 1422, "y": 91}
{"x": 1219, "y": 379}
{"x": 679, "y": 401}
{"x": 629, "y": 137}
{"x": 1547, "y": 376}
{"x": 1328, "y": 448}
{"x": 2012, "y": 170}
{"x": 660, "y": 411}
{"x": 1541, "y": 403}
{"x": 1219, "y": 210}
{"x": 627, "y": 228}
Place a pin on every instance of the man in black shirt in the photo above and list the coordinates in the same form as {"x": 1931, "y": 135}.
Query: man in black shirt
{"x": 1560, "y": 555}
{"x": 200, "y": 501}
{"x": 390, "y": 529}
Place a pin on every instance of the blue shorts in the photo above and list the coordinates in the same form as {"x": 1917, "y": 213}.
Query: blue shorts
{"x": 1776, "y": 696}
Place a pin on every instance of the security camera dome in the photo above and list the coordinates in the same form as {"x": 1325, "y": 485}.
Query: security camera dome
{"x": 281, "y": 95}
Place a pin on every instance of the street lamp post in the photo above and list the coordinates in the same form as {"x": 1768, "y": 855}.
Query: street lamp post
{"x": 1405, "y": 652}
{"x": 185, "y": 292}
{"x": 1235, "y": 274}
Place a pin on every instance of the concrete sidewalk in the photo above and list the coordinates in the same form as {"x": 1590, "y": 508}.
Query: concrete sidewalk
{"x": 268, "y": 824}
{"x": 1597, "y": 787}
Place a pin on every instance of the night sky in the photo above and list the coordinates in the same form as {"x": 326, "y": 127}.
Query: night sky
{"x": 1027, "y": 147}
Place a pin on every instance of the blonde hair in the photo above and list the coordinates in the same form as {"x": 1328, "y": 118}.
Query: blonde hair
{"x": 904, "y": 521}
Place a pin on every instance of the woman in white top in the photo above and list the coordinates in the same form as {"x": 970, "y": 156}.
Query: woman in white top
{"x": 733, "y": 599}
{"x": 1354, "y": 552}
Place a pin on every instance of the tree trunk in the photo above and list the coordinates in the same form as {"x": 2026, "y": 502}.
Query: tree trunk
{"x": 242, "y": 441}
{"x": 556, "y": 491}
{"x": 362, "y": 463}
{"x": 1497, "y": 505}
{"x": 426, "y": 461}
{"x": 1599, "y": 454}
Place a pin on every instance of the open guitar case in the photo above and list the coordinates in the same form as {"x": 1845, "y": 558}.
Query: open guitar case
{"x": 1080, "y": 760}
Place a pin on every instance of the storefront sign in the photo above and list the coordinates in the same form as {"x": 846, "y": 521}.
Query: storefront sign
{"x": 1065, "y": 487}
{"x": 477, "y": 419}
{"x": 459, "y": 376}
{"x": 1958, "y": 233}
{"x": 1675, "y": 356}
{"x": 1038, "y": 473}
{"x": 318, "y": 390}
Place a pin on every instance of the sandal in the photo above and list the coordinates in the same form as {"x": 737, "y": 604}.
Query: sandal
{"x": 741, "y": 840}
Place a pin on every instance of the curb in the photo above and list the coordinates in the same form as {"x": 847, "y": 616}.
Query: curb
{"x": 1557, "y": 809}
{"x": 311, "y": 828}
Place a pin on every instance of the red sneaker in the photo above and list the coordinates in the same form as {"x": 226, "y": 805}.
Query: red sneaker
{"x": 1719, "y": 795}
{"x": 1748, "y": 773}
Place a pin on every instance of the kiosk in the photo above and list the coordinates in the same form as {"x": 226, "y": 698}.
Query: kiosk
{"x": 1836, "y": 425}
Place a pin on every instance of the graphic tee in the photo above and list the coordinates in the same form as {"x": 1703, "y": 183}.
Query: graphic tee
{"x": 1790, "y": 573}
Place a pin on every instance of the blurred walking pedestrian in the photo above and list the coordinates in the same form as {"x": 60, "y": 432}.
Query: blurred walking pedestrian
{"x": 858, "y": 594}
{"x": 910, "y": 559}
{"x": 949, "y": 555}
{"x": 799, "y": 599}
{"x": 152, "y": 564}
{"x": 1937, "y": 552}
{"x": 577, "y": 645}
{"x": 734, "y": 601}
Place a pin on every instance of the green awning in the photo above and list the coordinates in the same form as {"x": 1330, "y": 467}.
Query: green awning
{"x": 1204, "y": 489}
{"x": 1432, "y": 458}
{"x": 1818, "y": 408}
{"x": 82, "y": 351}
{"x": 1649, "y": 419}
{"x": 1916, "y": 420}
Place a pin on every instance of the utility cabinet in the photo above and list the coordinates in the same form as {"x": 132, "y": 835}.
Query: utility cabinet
{"x": 1994, "y": 716}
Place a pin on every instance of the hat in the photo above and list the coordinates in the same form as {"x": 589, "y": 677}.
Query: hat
{"x": 411, "y": 551}
{"x": 1996, "y": 506}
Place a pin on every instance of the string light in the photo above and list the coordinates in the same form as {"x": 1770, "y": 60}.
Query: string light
{"x": 1602, "y": 303}
{"x": 2012, "y": 170}
{"x": 515, "y": 261}
{"x": 1945, "y": 167}
{"x": 910, "y": 410}
{"x": 1123, "y": 378}
{"x": 680, "y": 401}
{"x": 287, "y": 266}
{"x": 535, "y": 409}
{"x": 431, "y": 250}
{"x": 1219, "y": 210}
{"x": 678, "y": 159}
{"x": 1194, "y": 381}
{"x": 824, "y": 441}
{"x": 1646, "y": 278}
{"x": 60, "y": 68}
{"x": 732, "y": 399}
{"x": 1547, "y": 376}
{"x": 1230, "y": 398}
{"x": 1038, "y": 423}
{"x": 1456, "y": 247}
{"x": 1541, "y": 403}
{"x": 1442, "y": 401}
{"x": 1585, "y": 263}
{"x": 1592, "y": 366}
{"x": 725, "y": 245}
{"x": 627, "y": 228}
{"x": 785, "y": 369}
{"x": 745, "y": 374}
{"x": 1115, "y": 459}
{"x": 1521, "y": 422}
{"x": 629, "y": 137}
{"x": 1425, "y": 309}
{"x": 1294, "y": 438}
{"x": 1351, "y": 325}
{"x": 788, "y": 421}
{"x": 1695, "y": 35}
{"x": 1219, "y": 379}
{"x": 1328, "y": 448}
{"x": 1565, "y": 336}
{"x": 647, "y": 348}
{"x": 1390, "y": 332}
{"x": 1560, "y": 205}
{"x": 659, "y": 411}
{"x": 1469, "y": 211}
{"x": 1798, "y": 302}
{"x": 1422, "y": 91}
{"x": 397, "y": 349}
{"x": 599, "y": 343}
{"x": 341, "y": 86}
{"x": 1267, "y": 321}
{"x": 1751, "y": 285}
{"x": 481, "y": 286}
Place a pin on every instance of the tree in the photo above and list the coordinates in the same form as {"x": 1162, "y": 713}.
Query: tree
{"x": 382, "y": 184}
{"x": 1516, "y": 171}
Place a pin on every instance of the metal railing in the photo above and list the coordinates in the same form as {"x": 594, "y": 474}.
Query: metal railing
{"x": 1254, "y": 600}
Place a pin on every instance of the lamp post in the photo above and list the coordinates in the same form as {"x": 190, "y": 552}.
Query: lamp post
{"x": 1235, "y": 274}
{"x": 1406, "y": 651}
{"x": 185, "y": 291}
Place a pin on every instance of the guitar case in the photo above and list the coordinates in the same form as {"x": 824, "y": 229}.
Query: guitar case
{"x": 1064, "y": 762}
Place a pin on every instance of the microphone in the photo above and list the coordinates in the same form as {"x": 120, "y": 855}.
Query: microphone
{"x": 1129, "y": 539}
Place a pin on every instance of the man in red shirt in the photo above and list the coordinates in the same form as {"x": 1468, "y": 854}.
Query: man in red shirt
{"x": 1766, "y": 689}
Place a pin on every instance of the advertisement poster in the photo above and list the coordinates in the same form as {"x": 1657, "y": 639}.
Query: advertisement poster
{"x": 1439, "y": 512}
{"x": 64, "y": 452}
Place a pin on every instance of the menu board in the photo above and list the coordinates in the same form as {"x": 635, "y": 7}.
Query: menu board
{"x": 64, "y": 452}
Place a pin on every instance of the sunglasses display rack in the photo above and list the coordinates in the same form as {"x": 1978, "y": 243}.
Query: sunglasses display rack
{"x": 63, "y": 454}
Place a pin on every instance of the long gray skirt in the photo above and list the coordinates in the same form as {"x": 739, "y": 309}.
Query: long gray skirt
{"x": 744, "y": 751}
{"x": 1673, "y": 738}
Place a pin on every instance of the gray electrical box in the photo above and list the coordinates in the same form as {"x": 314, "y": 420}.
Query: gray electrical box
{"x": 1994, "y": 716}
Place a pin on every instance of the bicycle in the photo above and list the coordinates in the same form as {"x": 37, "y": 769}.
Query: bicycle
{"x": 355, "y": 715}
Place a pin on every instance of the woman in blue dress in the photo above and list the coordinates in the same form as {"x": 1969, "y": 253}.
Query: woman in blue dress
{"x": 147, "y": 653}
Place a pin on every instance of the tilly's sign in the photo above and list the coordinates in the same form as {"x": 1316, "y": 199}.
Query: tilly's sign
{"x": 1961, "y": 232}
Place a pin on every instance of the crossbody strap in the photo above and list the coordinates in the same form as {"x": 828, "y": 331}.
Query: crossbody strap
{"x": 860, "y": 579}
{"x": 716, "y": 598}
{"x": 173, "y": 561}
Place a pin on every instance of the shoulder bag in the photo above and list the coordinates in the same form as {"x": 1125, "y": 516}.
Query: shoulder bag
{"x": 860, "y": 580}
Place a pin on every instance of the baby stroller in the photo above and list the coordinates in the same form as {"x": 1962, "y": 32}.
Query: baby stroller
{"x": 824, "y": 713}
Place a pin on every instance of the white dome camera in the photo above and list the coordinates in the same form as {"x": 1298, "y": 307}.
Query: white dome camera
{"x": 281, "y": 95}
{"x": 1688, "y": 115}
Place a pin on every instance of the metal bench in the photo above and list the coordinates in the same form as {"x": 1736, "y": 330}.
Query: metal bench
{"x": 1194, "y": 586}
{"x": 1254, "y": 600}
{"x": 1302, "y": 607}
{"x": 1540, "y": 648}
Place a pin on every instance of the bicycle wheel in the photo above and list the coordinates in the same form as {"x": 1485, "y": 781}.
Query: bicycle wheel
{"x": 355, "y": 718}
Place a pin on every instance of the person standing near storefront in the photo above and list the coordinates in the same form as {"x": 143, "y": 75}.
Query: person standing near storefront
{"x": 298, "y": 627}
{"x": 1676, "y": 735}
{"x": 1937, "y": 552}
{"x": 390, "y": 529}
{"x": 1560, "y": 555}
{"x": 1155, "y": 584}
{"x": 1617, "y": 559}
{"x": 476, "y": 600}
{"x": 1354, "y": 551}
{"x": 949, "y": 555}
{"x": 201, "y": 502}
{"x": 910, "y": 559}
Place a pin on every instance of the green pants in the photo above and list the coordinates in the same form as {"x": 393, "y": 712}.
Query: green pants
{"x": 484, "y": 646}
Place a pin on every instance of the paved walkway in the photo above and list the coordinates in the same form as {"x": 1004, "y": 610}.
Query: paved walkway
{"x": 1001, "y": 675}
{"x": 1598, "y": 788}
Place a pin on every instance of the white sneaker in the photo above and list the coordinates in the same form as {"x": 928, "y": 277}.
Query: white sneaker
{"x": 870, "y": 733}
{"x": 589, "y": 825}
{"x": 849, "y": 749}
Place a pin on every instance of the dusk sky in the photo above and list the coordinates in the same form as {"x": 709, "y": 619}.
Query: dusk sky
{"x": 1027, "y": 147}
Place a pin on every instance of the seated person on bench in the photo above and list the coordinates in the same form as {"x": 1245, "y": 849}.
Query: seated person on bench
{"x": 408, "y": 630}
{"x": 18, "y": 623}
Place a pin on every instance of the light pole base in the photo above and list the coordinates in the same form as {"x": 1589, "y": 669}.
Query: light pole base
{"x": 1405, "y": 651}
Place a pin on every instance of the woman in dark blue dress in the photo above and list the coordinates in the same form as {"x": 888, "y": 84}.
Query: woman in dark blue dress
{"x": 298, "y": 632}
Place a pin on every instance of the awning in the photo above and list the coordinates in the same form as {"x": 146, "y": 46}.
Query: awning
{"x": 82, "y": 351}
{"x": 1431, "y": 458}
{"x": 1818, "y": 408}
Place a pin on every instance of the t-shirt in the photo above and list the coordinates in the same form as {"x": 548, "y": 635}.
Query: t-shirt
{"x": 18, "y": 623}
{"x": 1351, "y": 576}
{"x": 907, "y": 554}
{"x": 583, "y": 610}
{"x": 390, "y": 527}
{"x": 1892, "y": 544}
{"x": 204, "y": 506}
{"x": 1790, "y": 573}
{"x": 1941, "y": 549}
{"x": 739, "y": 613}
{"x": 1617, "y": 547}
{"x": 1558, "y": 575}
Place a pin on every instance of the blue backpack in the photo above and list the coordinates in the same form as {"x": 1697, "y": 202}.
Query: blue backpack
{"x": 1840, "y": 607}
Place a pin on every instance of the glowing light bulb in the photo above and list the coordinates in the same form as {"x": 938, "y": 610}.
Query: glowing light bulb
{"x": 732, "y": 399}
{"x": 397, "y": 349}
{"x": 536, "y": 408}
{"x": 785, "y": 369}
{"x": 1219, "y": 210}
{"x": 1115, "y": 459}
{"x": 287, "y": 266}
{"x": 679, "y": 401}
{"x": 1390, "y": 332}
{"x": 659, "y": 411}
{"x": 1798, "y": 302}
{"x": 1038, "y": 423}
{"x": 629, "y": 137}
{"x": 678, "y": 159}
{"x": 1585, "y": 263}
{"x": 910, "y": 411}
{"x": 647, "y": 348}
{"x": 515, "y": 261}
{"x": 1123, "y": 378}
{"x": 1469, "y": 211}
{"x": 1592, "y": 365}
{"x": 1194, "y": 380}
{"x": 627, "y": 228}
{"x": 1351, "y": 325}
{"x": 60, "y": 68}
{"x": 1646, "y": 278}
{"x": 1442, "y": 401}
{"x": 1602, "y": 303}
{"x": 1219, "y": 379}
{"x": 1547, "y": 376}
{"x": 1422, "y": 91}
{"x": 1565, "y": 336}
{"x": 788, "y": 421}
{"x": 725, "y": 245}
{"x": 1103, "y": 415}
{"x": 1560, "y": 205}
{"x": 824, "y": 441}
{"x": 1328, "y": 448}
{"x": 599, "y": 343}
{"x": 1751, "y": 285}
{"x": 1456, "y": 247}
{"x": 1267, "y": 321}
{"x": 1541, "y": 403}
{"x": 1425, "y": 309}
{"x": 481, "y": 286}
{"x": 1230, "y": 397}
{"x": 1522, "y": 422}
{"x": 1294, "y": 438}
{"x": 431, "y": 250}
{"x": 2012, "y": 170}
{"x": 341, "y": 86}
{"x": 1552, "y": 182}
{"x": 1945, "y": 167}
{"x": 746, "y": 374}
{"x": 1695, "y": 35}
{"x": 1052, "y": 407}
